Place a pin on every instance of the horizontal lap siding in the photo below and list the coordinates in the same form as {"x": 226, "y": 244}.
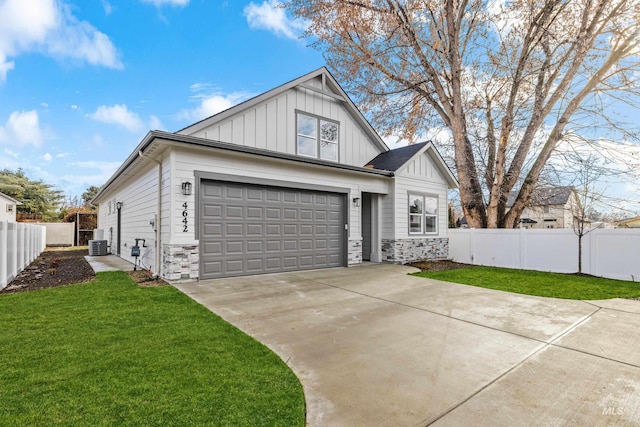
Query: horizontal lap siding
{"x": 139, "y": 204}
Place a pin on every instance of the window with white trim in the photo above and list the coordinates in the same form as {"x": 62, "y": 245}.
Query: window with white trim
{"x": 317, "y": 137}
{"x": 9, "y": 207}
{"x": 423, "y": 214}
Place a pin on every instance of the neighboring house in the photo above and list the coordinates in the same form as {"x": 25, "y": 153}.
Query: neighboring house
{"x": 629, "y": 223}
{"x": 292, "y": 179}
{"x": 553, "y": 207}
{"x": 8, "y": 208}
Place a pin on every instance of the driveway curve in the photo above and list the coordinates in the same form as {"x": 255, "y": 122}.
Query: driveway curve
{"x": 372, "y": 345}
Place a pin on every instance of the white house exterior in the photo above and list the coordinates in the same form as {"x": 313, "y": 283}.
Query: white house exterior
{"x": 554, "y": 207}
{"x": 292, "y": 179}
{"x": 8, "y": 208}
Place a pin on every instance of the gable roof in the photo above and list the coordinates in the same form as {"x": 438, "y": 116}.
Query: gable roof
{"x": 157, "y": 139}
{"x": 393, "y": 160}
{"x": 396, "y": 159}
{"x": 9, "y": 198}
{"x": 330, "y": 88}
{"x": 545, "y": 196}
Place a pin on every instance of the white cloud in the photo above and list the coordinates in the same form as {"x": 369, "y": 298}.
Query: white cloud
{"x": 22, "y": 128}
{"x": 155, "y": 123}
{"x": 48, "y": 26}
{"x": 211, "y": 103}
{"x": 47, "y": 157}
{"x": 120, "y": 115}
{"x": 159, "y": 3}
{"x": 98, "y": 173}
{"x": 107, "y": 7}
{"x": 11, "y": 153}
{"x": 74, "y": 107}
{"x": 271, "y": 16}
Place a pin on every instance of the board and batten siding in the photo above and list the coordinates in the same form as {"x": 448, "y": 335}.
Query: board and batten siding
{"x": 419, "y": 176}
{"x": 265, "y": 169}
{"x": 271, "y": 125}
{"x": 138, "y": 195}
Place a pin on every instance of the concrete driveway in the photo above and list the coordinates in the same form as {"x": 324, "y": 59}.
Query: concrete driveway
{"x": 374, "y": 346}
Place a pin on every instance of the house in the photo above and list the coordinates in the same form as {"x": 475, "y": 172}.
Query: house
{"x": 629, "y": 223}
{"x": 8, "y": 208}
{"x": 293, "y": 179}
{"x": 549, "y": 207}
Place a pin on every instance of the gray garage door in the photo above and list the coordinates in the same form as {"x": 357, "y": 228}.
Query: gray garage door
{"x": 252, "y": 229}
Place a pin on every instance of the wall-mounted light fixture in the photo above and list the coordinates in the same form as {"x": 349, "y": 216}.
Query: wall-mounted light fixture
{"x": 356, "y": 202}
{"x": 186, "y": 188}
{"x": 119, "y": 205}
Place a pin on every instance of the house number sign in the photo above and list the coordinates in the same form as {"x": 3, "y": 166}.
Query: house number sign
{"x": 185, "y": 215}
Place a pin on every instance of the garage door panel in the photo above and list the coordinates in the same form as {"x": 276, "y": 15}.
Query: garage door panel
{"x": 234, "y": 192}
{"x": 274, "y": 213}
{"x": 255, "y": 265}
{"x": 234, "y": 266}
{"x": 252, "y": 229}
{"x": 255, "y": 246}
{"x": 213, "y": 248}
{"x": 213, "y": 211}
{"x": 255, "y": 194}
{"x": 234, "y": 248}
{"x": 234, "y": 212}
{"x": 254, "y": 213}
{"x": 212, "y": 230}
{"x": 234, "y": 230}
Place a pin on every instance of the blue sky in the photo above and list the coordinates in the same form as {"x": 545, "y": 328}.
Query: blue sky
{"x": 81, "y": 82}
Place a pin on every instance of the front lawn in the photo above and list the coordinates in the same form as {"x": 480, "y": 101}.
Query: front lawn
{"x": 554, "y": 285}
{"x": 112, "y": 353}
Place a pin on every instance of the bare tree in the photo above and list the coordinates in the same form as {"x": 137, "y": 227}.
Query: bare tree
{"x": 507, "y": 79}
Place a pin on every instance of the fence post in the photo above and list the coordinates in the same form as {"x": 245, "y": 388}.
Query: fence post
{"x": 3, "y": 254}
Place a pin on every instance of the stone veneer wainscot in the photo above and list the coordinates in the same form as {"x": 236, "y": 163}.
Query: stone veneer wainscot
{"x": 409, "y": 250}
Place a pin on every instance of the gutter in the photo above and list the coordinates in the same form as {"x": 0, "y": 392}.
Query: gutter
{"x": 158, "y": 223}
{"x": 193, "y": 141}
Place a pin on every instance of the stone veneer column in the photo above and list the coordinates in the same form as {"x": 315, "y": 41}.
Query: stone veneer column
{"x": 354, "y": 256}
{"x": 180, "y": 262}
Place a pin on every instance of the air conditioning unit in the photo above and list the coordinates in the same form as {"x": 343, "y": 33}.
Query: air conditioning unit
{"x": 97, "y": 247}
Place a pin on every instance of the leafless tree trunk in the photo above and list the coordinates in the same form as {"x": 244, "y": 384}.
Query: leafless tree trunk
{"x": 508, "y": 80}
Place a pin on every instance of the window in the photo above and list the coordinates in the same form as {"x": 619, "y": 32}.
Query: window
{"x": 423, "y": 214}
{"x": 317, "y": 137}
{"x": 9, "y": 207}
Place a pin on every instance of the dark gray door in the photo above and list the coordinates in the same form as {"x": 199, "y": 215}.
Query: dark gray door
{"x": 251, "y": 229}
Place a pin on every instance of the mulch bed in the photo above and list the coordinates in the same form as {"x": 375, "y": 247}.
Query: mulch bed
{"x": 54, "y": 267}
{"x": 59, "y": 267}
{"x": 438, "y": 265}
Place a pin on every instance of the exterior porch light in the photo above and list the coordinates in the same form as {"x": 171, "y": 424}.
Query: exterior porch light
{"x": 118, "y": 205}
{"x": 186, "y": 188}
{"x": 356, "y": 202}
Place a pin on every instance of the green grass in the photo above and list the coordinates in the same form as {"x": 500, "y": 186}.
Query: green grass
{"x": 109, "y": 353}
{"x": 554, "y": 285}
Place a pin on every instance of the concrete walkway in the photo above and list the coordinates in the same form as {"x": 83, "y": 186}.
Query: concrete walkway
{"x": 108, "y": 263}
{"x": 374, "y": 346}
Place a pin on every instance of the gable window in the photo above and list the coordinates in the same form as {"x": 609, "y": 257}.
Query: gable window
{"x": 9, "y": 207}
{"x": 423, "y": 214}
{"x": 317, "y": 137}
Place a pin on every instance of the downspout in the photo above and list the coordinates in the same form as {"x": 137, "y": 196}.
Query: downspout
{"x": 158, "y": 212}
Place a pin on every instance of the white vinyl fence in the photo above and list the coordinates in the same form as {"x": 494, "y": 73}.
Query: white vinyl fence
{"x": 20, "y": 243}
{"x": 612, "y": 253}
